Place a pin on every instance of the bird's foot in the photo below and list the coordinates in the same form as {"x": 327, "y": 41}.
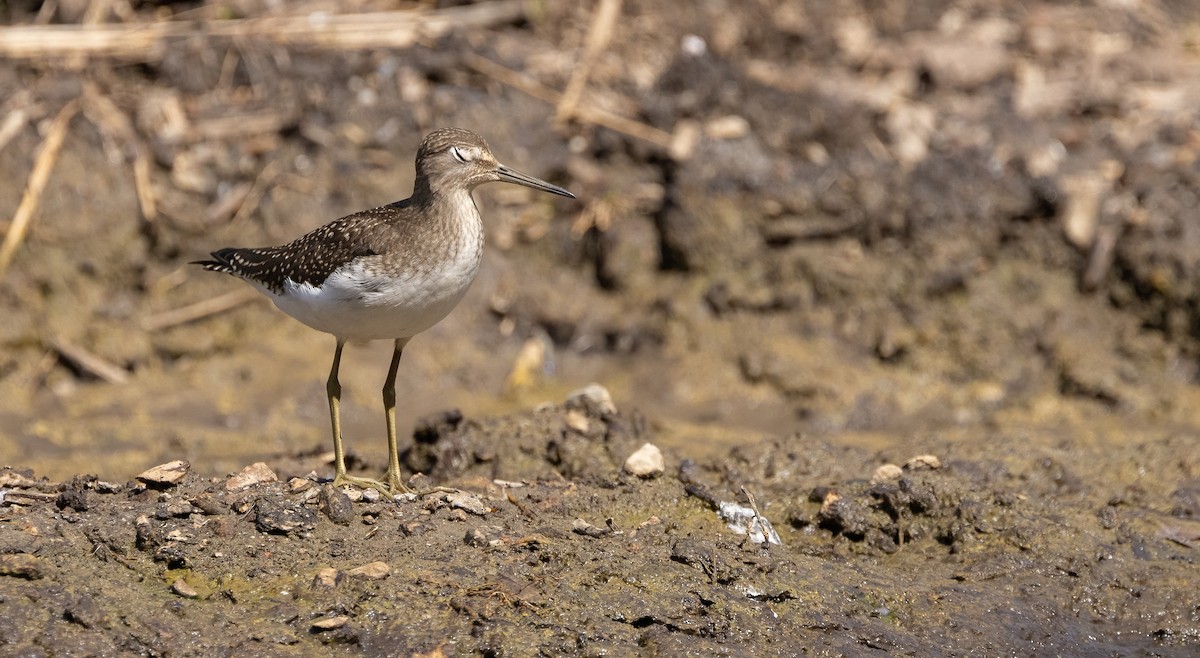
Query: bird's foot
{"x": 397, "y": 485}
{"x": 362, "y": 483}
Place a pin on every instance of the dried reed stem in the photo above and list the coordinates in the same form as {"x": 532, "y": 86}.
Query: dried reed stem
{"x": 102, "y": 111}
{"x": 603, "y": 22}
{"x": 148, "y": 41}
{"x": 199, "y": 310}
{"x": 583, "y": 113}
{"x": 43, "y": 164}
{"x": 91, "y": 363}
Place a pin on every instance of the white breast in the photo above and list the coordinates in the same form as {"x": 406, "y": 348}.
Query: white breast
{"x": 358, "y": 302}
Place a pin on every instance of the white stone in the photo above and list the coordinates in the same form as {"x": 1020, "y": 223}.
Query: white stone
{"x": 646, "y": 461}
{"x": 593, "y": 399}
{"x": 255, "y": 473}
{"x": 886, "y": 472}
{"x": 372, "y": 571}
{"x": 921, "y": 462}
{"x": 169, "y": 473}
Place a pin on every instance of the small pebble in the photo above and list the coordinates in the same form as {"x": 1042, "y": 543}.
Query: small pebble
{"x": 253, "y": 474}
{"x": 297, "y": 485}
{"x": 178, "y": 508}
{"x": 210, "y": 504}
{"x": 166, "y": 474}
{"x": 468, "y": 502}
{"x": 147, "y": 534}
{"x": 281, "y": 517}
{"x": 410, "y": 528}
{"x": 746, "y": 521}
{"x": 75, "y": 499}
{"x": 327, "y": 577}
{"x": 921, "y": 462}
{"x": 182, "y": 588}
{"x": 476, "y": 537}
{"x": 330, "y": 623}
{"x": 21, "y": 565}
{"x": 578, "y": 421}
{"x": 886, "y": 473}
{"x": 372, "y": 571}
{"x": 581, "y": 527}
{"x": 371, "y": 495}
{"x": 645, "y": 462}
{"x": 336, "y": 505}
{"x": 593, "y": 399}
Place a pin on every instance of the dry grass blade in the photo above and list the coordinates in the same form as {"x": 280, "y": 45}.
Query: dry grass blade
{"x": 42, "y": 165}
{"x": 141, "y": 181}
{"x": 596, "y": 116}
{"x": 263, "y": 122}
{"x": 103, "y": 112}
{"x": 142, "y": 42}
{"x": 603, "y": 22}
{"x": 262, "y": 183}
{"x": 91, "y": 363}
{"x": 511, "y": 78}
{"x": 199, "y": 310}
{"x": 13, "y": 123}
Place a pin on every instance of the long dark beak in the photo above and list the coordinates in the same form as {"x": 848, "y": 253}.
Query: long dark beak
{"x": 509, "y": 175}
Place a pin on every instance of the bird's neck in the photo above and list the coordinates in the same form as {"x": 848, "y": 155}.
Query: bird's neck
{"x": 455, "y": 207}
{"x": 422, "y": 191}
{"x": 449, "y": 203}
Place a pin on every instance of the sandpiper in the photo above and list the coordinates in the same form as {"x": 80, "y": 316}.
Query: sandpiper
{"x": 386, "y": 273}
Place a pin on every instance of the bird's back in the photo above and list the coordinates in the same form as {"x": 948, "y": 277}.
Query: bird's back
{"x": 312, "y": 257}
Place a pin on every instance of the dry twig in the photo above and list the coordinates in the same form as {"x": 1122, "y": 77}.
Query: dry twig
{"x": 109, "y": 118}
{"x": 199, "y": 310}
{"x": 90, "y": 363}
{"x": 603, "y": 22}
{"x": 583, "y": 113}
{"x": 42, "y": 165}
{"x": 756, "y": 521}
{"x": 262, "y": 184}
{"x": 148, "y": 41}
{"x": 13, "y": 123}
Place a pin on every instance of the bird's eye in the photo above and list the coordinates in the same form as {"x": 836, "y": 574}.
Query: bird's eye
{"x": 458, "y": 155}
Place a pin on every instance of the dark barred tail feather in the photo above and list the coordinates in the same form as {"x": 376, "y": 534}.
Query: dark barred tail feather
{"x": 260, "y": 265}
{"x": 222, "y": 261}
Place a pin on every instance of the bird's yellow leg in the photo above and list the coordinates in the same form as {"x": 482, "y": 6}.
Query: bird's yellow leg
{"x": 334, "y": 390}
{"x": 389, "y": 408}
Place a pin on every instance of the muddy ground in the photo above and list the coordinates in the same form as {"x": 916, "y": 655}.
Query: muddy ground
{"x": 914, "y": 280}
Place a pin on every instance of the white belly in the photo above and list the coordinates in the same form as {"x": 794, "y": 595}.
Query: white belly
{"x": 356, "y": 305}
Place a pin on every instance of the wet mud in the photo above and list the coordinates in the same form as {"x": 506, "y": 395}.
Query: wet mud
{"x": 909, "y": 291}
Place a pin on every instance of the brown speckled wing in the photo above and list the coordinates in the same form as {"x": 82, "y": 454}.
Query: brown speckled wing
{"x": 312, "y": 257}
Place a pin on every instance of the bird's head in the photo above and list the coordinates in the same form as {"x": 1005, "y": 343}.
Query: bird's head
{"x": 453, "y": 158}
